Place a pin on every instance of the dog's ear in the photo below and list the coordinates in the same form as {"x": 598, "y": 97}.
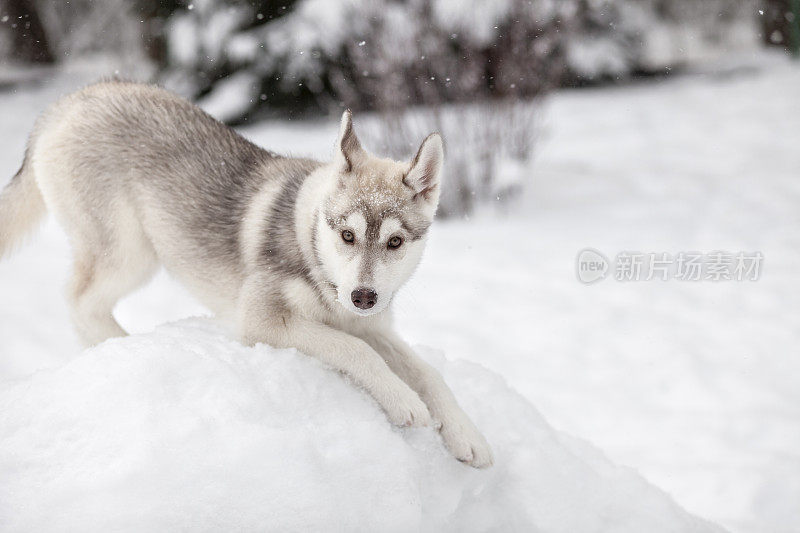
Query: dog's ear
{"x": 348, "y": 149}
{"x": 425, "y": 173}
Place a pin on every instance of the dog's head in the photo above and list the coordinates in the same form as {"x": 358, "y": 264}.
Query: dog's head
{"x": 374, "y": 219}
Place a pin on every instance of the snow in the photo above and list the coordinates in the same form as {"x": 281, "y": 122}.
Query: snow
{"x": 183, "y": 40}
{"x": 696, "y": 385}
{"x": 231, "y": 97}
{"x": 185, "y": 429}
{"x": 477, "y": 20}
{"x": 592, "y": 57}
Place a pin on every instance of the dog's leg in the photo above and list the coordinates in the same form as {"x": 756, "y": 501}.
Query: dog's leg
{"x": 278, "y": 327}
{"x": 112, "y": 258}
{"x": 98, "y": 282}
{"x": 460, "y": 435}
{"x": 91, "y": 302}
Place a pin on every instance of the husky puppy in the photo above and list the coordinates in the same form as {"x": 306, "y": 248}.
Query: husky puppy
{"x": 293, "y": 252}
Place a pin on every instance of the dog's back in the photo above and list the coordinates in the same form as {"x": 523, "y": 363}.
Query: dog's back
{"x": 117, "y": 142}
{"x": 138, "y": 176}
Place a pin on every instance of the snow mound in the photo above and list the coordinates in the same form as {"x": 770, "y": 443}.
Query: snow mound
{"x": 185, "y": 429}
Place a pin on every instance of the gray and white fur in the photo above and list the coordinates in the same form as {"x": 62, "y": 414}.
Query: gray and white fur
{"x": 292, "y": 252}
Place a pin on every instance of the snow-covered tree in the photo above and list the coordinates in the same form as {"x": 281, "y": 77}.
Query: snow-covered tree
{"x": 614, "y": 39}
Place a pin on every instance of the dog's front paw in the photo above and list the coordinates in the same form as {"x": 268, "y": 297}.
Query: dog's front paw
{"x": 406, "y": 409}
{"x": 466, "y": 443}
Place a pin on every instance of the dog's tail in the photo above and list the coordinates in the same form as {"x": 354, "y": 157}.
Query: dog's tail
{"x": 21, "y": 208}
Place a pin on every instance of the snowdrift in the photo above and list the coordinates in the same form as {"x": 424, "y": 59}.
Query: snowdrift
{"x": 185, "y": 429}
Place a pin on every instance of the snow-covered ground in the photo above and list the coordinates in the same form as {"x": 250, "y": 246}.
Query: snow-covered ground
{"x": 184, "y": 429}
{"x": 694, "y": 384}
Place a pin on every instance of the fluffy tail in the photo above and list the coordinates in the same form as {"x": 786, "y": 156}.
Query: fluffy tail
{"x": 21, "y": 208}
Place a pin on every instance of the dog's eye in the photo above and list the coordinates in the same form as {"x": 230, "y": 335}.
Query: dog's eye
{"x": 395, "y": 242}
{"x": 347, "y": 236}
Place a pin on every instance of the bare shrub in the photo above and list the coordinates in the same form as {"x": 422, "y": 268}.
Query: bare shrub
{"x": 476, "y": 80}
{"x": 473, "y": 76}
{"x": 488, "y": 147}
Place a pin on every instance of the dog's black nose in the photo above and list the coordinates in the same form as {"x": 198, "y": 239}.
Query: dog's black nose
{"x": 363, "y": 298}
